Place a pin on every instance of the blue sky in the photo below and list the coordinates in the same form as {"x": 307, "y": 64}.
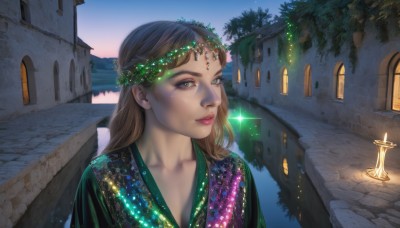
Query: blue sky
{"x": 103, "y": 24}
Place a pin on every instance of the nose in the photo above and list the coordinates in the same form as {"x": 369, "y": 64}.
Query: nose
{"x": 212, "y": 96}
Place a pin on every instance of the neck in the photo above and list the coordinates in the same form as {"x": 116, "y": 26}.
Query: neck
{"x": 164, "y": 149}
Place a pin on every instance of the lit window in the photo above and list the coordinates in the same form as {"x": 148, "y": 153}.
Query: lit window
{"x": 285, "y": 81}
{"x": 340, "y": 83}
{"x": 238, "y": 76}
{"x": 258, "y": 78}
{"x": 307, "y": 81}
{"x": 396, "y": 88}
{"x": 24, "y": 83}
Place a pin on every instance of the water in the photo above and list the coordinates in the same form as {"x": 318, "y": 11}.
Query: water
{"x": 275, "y": 158}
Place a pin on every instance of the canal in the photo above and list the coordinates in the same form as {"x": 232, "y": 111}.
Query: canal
{"x": 287, "y": 197}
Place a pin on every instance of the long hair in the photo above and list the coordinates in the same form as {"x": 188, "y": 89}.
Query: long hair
{"x": 151, "y": 41}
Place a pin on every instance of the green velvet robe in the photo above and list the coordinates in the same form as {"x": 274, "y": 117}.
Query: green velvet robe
{"x": 118, "y": 190}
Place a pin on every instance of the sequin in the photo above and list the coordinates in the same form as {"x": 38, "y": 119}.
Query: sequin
{"x": 220, "y": 199}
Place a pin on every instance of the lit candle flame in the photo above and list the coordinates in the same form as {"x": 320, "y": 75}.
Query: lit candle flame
{"x": 385, "y": 137}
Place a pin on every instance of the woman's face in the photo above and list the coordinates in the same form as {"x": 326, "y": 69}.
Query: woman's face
{"x": 187, "y": 100}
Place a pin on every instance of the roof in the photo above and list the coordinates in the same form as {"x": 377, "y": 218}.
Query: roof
{"x": 79, "y": 2}
{"x": 272, "y": 30}
{"x": 83, "y": 44}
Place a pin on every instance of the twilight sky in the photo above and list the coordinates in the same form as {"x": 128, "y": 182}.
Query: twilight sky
{"x": 103, "y": 24}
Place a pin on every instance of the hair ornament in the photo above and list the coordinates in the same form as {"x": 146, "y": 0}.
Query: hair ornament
{"x": 153, "y": 69}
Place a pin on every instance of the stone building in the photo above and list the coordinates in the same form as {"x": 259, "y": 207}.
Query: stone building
{"x": 364, "y": 99}
{"x": 42, "y": 61}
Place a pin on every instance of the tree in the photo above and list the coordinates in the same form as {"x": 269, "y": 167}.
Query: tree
{"x": 248, "y": 22}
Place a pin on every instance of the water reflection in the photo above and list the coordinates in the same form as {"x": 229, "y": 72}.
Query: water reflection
{"x": 106, "y": 97}
{"x": 287, "y": 197}
{"x": 52, "y": 207}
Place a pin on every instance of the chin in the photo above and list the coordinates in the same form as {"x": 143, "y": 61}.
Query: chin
{"x": 199, "y": 135}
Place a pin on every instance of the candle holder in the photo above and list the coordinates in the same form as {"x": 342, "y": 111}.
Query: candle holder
{"x": 379, "y": 172}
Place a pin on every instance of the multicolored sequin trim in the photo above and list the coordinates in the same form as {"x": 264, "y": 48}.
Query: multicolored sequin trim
{"x": 227, "y": 194}
{"x": 221, "y": 202}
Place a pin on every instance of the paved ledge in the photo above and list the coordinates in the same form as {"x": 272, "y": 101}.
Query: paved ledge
{"x": 35, "y": 146}
{"x": 335, "y": 161}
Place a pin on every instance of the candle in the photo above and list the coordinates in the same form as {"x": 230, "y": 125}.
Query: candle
{"x": 385, "y": 137}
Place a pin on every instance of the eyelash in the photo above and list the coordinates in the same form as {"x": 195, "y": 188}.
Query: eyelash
{"x": 221, "y": 80}
{"x": 185, "y": 84}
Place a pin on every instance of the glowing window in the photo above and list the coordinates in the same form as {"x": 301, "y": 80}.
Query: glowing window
{"x": 340, "y": 83}
{"x": 258, "y": 78}
{"x": 396, "y": 88}
{"x": 285, "y": 81}
{"x": 238, "y": 76}
{"x": 307, "y": 81}
{"x": 24, "y": 83}
{"x": 284, "y": 139}
{"x": 285, "y": 167}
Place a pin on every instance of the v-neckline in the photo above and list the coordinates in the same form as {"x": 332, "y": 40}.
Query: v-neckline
{"x": 200, "y": 175}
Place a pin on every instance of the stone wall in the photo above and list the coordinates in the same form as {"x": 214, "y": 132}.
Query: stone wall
{"x": 364, "y": 109}
{"x": 19, "y": 192}
{"x": 47, "y": 43}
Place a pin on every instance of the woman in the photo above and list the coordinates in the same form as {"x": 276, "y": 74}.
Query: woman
{"x": 165, "y": 164}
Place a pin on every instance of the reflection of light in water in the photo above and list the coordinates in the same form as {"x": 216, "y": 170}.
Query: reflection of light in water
{"x": 103, "y": 136}
{"x": 284, "y": 139}
{"x": 285, "y": 167}
{"x": 108, "y": 97}
{"x": 67, "y": 223}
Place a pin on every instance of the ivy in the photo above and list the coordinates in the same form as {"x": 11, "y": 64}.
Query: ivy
{"x": 333, "y": 22}
{"x": 245, "y": 47}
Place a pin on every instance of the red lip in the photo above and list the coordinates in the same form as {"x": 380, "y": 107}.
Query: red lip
{"x": 207, "y": 120}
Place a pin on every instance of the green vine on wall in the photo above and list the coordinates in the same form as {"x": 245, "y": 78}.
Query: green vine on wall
{"x": 331, "y": 24}
{"x": 245, "y": 48}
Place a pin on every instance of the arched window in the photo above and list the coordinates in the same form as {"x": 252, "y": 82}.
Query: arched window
{"x": 284, "y": 82}
{"x": 396, "y": 88}
{"x": 24, "y": 82}
{"x": 72, "y": 76}
{"x": 238, "y": 79}
{"x": 258, "y": 78}
{"x": 307, "y": 81}
{"x": 56, "y": 81}
{"x": 85, "y": 85}
{"x": 60, "y": 6}
{"x": 25, "y": 14}
{"x": 340, "y": 83}
{"x": 27, "y": 81}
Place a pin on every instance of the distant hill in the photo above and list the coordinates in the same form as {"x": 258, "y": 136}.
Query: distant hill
{"x": 102, "y": 63}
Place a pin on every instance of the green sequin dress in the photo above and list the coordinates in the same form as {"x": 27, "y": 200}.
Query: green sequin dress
{"x": 118, "y": 190}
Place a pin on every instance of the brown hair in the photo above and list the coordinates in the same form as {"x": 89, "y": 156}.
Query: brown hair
{"x": 151, "y": 41}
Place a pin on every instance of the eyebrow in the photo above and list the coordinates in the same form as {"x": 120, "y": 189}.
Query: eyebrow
{"x": 196, "y": 74}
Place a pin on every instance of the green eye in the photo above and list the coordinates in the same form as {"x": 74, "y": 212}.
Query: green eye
{"x": 185, "y": 84}
{"x": 218, "y": 81}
